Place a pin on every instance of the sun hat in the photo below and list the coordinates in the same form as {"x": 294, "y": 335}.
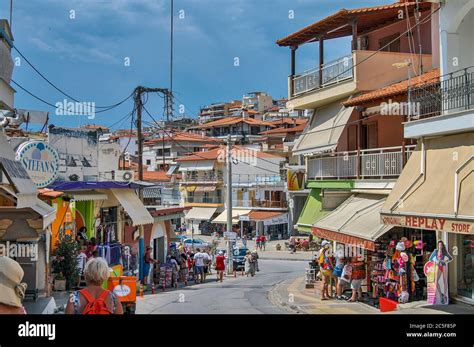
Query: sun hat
{"x": 324, "y": 243}
{"x": 12, "y": 290}
{"x": 221, "y": 253}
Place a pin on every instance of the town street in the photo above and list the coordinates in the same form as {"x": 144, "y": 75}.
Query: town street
{"x": 244, "y": 295}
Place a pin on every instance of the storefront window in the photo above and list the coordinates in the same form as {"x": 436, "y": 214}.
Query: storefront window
{"x": 465, "y": 266}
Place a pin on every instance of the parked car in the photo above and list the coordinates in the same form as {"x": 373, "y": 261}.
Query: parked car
{"x": 197, "y": 243}
{"x": 239, "y": 258}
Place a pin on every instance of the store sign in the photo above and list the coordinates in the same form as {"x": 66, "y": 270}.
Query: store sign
{"x": 244, "y": 218}
{"x": 437, "y": 224}
{"x": 282, "y": 219}
{"x": 295, "y": 179}
{"x": 40, "y": 160}
{"x": 122, "y": 290}
{"x": 230, "y": 235}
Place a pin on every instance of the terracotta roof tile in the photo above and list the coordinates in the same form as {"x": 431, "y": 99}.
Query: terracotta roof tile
{"x": 215, "y": 153}
{"x": 232, "y": 120}
{"x": 184, "y": 137}
{"x": 261, "y": 215}
{"x": 399, "y": 88}
{"x": 283, "y": 130}
{"x": 155, "y": 176}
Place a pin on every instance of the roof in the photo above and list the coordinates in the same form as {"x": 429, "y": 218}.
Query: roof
{"x": 334, "y": 26}
{"x": 289, "y": 121}
{"x": 283, "y": 130}
{"x": 169, "y": 210}
{"x": 156, "y": 176}
{"x": 49, "y": 193}
{"x": 214, "y": 154}
{"x": 95, "y": 126}
{"x": 262, "y": 215}
{"x": 399, "y": 88}
{"x": 233, "y": 120}
{"x": 182, "y": 136}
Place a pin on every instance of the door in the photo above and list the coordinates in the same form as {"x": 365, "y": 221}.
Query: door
{"x": 159, "y": 249}
{"x": 352, "y": 138}
{"x": 372, "y": 135}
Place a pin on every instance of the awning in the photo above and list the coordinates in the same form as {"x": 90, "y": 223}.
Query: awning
{"x": 200, "y": 213}
{"x": 133, "y": 206}
{"x": 439, "y": 194}
{"x": 205, "y": 189}
{"x": 222, "y": 218}
{"x": 326, "y": 127}
{"x": 356, "y": 221}
{"x": 203, "y": 165}
{"x": 312, "y": 211}
{"x": 48, "y": 213}
{"x": 88, "y": 196}
{"x": 268, "y": 217}
{"x": 171, "y": 170}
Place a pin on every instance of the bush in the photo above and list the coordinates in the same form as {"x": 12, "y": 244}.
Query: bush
{"x": 64, "y": 264}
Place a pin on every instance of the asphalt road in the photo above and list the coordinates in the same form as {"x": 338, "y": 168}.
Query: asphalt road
{"x": 234, "y": 296}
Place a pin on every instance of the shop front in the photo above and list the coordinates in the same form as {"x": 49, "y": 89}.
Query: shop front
{"x": 435, "y": 192}
{"x": 394, "y": 257}
{"x": 272, "y": 224}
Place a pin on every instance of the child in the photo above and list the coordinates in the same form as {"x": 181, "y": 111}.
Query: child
{"x": 81, "y": 263}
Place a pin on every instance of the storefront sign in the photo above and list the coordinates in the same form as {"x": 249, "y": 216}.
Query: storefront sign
{"x": 230, "y": 235}
{"x": 282, "y": 219}
{"x": 295, "y": 179}
{"x": 244, "y": 218}
{"x": 40, "y": 160}
{"x": 428, "y": 223}
{"x": 122, "y": 290}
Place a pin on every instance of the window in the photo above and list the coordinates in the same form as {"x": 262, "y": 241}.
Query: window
{"x": 392, "y": 42}
{"x": 148, "y": 162}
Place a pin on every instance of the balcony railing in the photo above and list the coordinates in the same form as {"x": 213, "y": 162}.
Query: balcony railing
{"x": 207, "y": 177}
{"x": 332, "y": 72}
{"x": 450, "y": 93}
{"x": 368, "y": 163}
{"x": 259, "y": 203}
{"x": 204, "y": 200}
{"x": 256, "y": 179}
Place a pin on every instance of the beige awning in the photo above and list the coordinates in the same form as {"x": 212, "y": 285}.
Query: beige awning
{"x": 436, "y": 189}
{"x": 356, "y": 221}
{"x": 202, "y": 165}
{"x": 133, "y": 206}
{"x": 326, "y": 127}
{"x": 222, "y": 218}
{"x": 205, "y": 189}
{"x": 201, "y": 213}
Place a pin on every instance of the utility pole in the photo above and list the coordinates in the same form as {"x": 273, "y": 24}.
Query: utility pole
{"x": 230, "y": 269}
{"x": 139, "y": 91}
{"x": 170, "y": 102}
{"x": 418, "y": 17}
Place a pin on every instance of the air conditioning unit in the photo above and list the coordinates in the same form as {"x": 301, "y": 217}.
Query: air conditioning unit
{"x": 124, "y": 175}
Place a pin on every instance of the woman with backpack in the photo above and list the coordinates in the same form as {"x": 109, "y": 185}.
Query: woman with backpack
{"x": 94, "y": 299}
{"x": 327, "y": 268}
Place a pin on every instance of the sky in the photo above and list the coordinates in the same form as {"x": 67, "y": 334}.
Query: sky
{"x": 100, "y": 50}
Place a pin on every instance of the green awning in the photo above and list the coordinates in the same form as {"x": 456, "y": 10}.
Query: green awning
{"x": 312, "y": 211}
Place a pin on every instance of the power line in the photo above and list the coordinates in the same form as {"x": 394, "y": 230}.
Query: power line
{"x": 60, "y": 90}
{"x": 61, "y": 108}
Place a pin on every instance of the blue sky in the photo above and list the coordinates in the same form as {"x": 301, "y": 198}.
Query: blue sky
{"x": 85, "y": 56}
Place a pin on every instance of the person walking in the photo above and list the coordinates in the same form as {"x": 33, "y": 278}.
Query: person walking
{"x": 327, "y": 267}
{"x": 183, "y": 268}
{"x": 244, "y": 240}
{"x": 249, "y": 264}
{"x": 255, "y": 260}
{"x": 199, "y": 262}
{"x": 258, "y": 242}
{"x": 12, "y": 290}
{"x": 220, "y": 266}
{"x": 94, "y": 299}
{"x": 358, "y": 275}
{"x": 263, "y": 242}
{"x": 148, "y": 261}
{"x": 80, "y": 264}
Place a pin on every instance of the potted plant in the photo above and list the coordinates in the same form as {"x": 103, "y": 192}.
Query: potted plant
{"x": 64, "y": 264}
{"x": 59, "y": 282}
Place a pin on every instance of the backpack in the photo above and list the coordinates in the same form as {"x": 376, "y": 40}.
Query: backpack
{"x": 95, "y": 306}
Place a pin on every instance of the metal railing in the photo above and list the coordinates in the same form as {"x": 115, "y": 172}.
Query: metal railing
{"x": 204, "y": 199}
{"x": 259, "y": 203}
{"x": 208, "y": 177}
{"x": 332, "y": 72}
{"x": 453, "y": 92}
{"x": 367, "y": 163}
{"x": 256, "y": 179}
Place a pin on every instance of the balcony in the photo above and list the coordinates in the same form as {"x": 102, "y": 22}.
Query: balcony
{"x": 248, "y": 180}
{"x": 203, "y": 200}
{"x": 442, "y": 106}
{"x": 346, "y": 76}
{"x": 210, "y": 177}
{"x": 365, "y": 164}
{"x": 261, "y": 204}
{"x": 331, "y": 73}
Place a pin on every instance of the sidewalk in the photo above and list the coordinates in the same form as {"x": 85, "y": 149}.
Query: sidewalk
{"x": 295, "y": 298}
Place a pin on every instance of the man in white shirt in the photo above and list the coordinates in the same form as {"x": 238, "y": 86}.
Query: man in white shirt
{"x": 199, "y": 259}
